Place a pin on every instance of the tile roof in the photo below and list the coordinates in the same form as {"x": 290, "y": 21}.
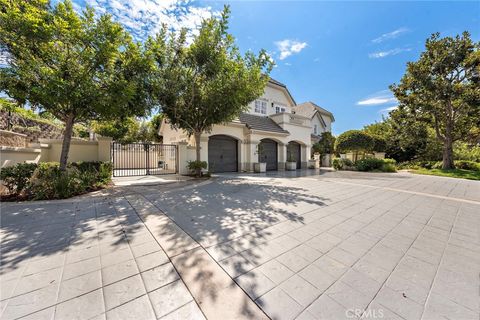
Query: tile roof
{"x": 260, "y": 123}
{"x": 308, "y": 109}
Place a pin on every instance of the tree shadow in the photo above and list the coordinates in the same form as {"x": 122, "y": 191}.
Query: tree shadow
{"x": 236, "y": 219}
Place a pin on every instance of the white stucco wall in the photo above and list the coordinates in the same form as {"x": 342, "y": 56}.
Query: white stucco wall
{"x": 273, "y": 95}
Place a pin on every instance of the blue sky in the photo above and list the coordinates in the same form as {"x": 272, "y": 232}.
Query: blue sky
{"x": 340, "y": 55}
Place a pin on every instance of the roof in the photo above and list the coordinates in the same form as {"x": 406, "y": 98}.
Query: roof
{"x": 260, "y": 123}
{"x": 309, "y": 109}
{"x": 278, "y": 83}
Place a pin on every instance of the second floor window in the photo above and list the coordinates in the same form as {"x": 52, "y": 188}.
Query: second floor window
{"x": 315, "y": 130}
{"x": 279, "y": 109}
{"x": 261, "y": 106}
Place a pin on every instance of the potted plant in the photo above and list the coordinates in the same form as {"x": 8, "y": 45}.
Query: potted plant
{"x": 291, "y": 164}
{"x": 260, "y": 166}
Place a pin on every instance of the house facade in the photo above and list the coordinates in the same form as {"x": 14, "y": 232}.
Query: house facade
{"x": 285, "y": 130}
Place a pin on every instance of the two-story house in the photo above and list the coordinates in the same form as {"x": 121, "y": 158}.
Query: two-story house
{"x": 285, "y": 130}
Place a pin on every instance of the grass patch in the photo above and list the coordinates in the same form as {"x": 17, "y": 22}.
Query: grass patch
{"x": 452, "y": 173}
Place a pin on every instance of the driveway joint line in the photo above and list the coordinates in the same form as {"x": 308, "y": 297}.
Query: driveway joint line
{"x": 407, "y": 191}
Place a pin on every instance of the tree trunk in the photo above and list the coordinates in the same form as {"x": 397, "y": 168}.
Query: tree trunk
{"x": 448, "y": 148}
{"x": 67, "y": 138}
{"x": 197, "y": 136}
{"x": 448, "y": 154}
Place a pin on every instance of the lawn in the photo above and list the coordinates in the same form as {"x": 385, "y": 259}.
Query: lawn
{"x": 452, "y": 173}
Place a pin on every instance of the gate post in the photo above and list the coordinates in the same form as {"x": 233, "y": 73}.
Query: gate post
{"x": 182, "y": 158}
{"x": 104, "y": 151}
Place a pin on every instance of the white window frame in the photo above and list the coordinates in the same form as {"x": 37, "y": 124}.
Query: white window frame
{"x": 279, "y": 109}
{"x": 261, "y": 106}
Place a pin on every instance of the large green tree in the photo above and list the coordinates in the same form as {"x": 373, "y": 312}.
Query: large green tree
{"x": 355, "y": 141}
{"x": 206, "y": 82}
{"x": 442, "y": 89}
{"x": 79, "y": 67}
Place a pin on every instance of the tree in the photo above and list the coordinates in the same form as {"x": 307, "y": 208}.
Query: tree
{"x": 325, "y": 145}
{"x": 355, "y": 141}
{"x": 207, "y": 82}
{"x": 121, "y": 130}
{"x": 442, "y": 89}
{"x": 77, "y": 67}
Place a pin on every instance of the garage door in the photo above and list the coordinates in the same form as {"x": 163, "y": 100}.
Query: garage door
{"x": 293, "y": 152}
{"x": 222, "y": 154}
{"x": 269, "y": 154}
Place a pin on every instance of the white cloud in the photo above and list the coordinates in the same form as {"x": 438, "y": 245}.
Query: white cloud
{"x": 379, "y": 98}
{"x": 288, "y": 47}
{"x": 145, "y": 17}
{"x": 387, "y": 110}
{"x": 392, "y": 52}
{"x": 390, "y": 35}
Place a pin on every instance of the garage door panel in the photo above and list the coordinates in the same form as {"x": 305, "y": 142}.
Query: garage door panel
{"x": 269, "y": 156}
{"x": 294, "y": 152}
{"x": 222, "y": 154}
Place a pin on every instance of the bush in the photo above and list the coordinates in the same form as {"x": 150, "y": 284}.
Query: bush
{"x": 389, "y": 165}
{"x": 47, "y": 181}
{"x": 369, "y": 164}
{"x": 342, "y": 164}
{"x": 15, "y": 178}
{"x": 467, "y": 165}
{"x": 194, "y": 165}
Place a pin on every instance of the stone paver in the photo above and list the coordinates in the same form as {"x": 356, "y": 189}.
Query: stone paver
{"x": 329, "y": 246}
{"x": 111, "y": 267}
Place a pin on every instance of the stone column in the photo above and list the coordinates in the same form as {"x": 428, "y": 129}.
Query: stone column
{"x": 250, "y": 155}
{"x": 182, "y": 158}
{"x": 104, "y": 152}
{"x": 282, "y": 156}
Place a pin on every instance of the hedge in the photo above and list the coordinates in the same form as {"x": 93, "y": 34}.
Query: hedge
{"x": 47, "y": 181}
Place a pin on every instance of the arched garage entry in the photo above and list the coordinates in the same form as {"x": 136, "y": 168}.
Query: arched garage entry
{"x": 222, "y": 153}
{"x": 294, "y": 153}
{"x": 270, "y": 154}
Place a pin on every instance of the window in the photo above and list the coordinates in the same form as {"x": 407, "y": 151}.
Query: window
{"x": 315, "y": 131}
{"x": 279, "y": 109}
{"x": 261, "y": 106}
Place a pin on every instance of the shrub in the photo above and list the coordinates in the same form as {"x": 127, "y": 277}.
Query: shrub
{"x": 194, "y": 165}
{"x": 467, "y": 165}
{"x": 47, "y": 181}
{"x": 15, "y": 178}
{"x": 389, "y": 165}
{"x": 342, "y": 164}
{"x": 369, "y": 164}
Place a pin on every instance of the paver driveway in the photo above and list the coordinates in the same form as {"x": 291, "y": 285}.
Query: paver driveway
{"x": 329, "y": 246}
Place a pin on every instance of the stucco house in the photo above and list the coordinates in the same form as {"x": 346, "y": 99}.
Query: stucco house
{"x": 285, "y": 130}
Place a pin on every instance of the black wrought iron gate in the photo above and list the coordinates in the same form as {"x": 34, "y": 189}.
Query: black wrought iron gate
{"x": 140, "y": 159}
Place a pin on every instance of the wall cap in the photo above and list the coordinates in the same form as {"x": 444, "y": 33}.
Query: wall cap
{"x": 20, "y": 149}
{"x": 13, "y": 133}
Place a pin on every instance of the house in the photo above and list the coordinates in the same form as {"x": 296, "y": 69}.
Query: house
{"x": 285, "y": 130}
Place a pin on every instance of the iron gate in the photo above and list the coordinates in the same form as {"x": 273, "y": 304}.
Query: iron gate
{"x": 140, "y": 159}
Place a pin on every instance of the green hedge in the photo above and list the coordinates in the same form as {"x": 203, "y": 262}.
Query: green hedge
{"x": 47, "y": 181}
{"x": 367, "y": 164}
{"x": 459, "y": 164}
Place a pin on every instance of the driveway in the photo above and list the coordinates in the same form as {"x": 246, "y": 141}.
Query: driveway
{"x": 334, "y": 245}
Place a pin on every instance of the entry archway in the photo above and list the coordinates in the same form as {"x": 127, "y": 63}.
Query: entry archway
{"x": 269, "y": 154}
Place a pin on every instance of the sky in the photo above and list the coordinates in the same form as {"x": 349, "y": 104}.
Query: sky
{"x": 340, "y": 55}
